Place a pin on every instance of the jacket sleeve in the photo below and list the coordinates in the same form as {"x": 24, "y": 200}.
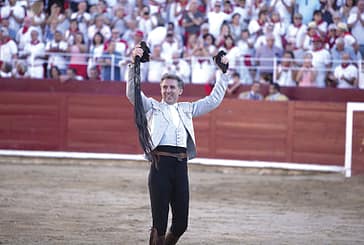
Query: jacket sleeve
{"x": 130, "y": 87}
{"x": 212, "y": 101}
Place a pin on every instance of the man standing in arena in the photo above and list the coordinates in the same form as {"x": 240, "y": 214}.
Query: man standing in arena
{"x": 173, "y": 143}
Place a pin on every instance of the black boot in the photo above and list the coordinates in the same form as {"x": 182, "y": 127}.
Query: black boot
{"x": 155, "y": 239}
{"x": 171, "y": 239}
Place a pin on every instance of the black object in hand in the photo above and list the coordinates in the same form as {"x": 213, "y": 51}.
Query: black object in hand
{"x": 217, "y": 59}
{"x": 146, "y": 52}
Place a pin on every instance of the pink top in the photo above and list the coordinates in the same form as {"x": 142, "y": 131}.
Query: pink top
{"x": 306, "y": 79}
{"x": 76, "y": 56}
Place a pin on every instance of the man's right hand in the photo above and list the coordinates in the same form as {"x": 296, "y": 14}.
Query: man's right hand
{"x": 137, "y": 51}
{"x": 222, "y": 61}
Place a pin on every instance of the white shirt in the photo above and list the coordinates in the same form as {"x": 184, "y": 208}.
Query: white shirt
{"x": 349, "y": 72}
{"x": 176, "y": 134}
{"x": 7, "y": 50}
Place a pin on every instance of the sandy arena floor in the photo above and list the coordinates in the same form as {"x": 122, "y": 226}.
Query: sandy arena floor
{"x": 52, "y": 201}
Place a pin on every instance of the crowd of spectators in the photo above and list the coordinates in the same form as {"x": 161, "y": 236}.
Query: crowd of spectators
{"x": 290, "y": 42}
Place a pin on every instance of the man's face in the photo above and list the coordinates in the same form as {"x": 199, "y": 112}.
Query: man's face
{"x": 170, "y": 91}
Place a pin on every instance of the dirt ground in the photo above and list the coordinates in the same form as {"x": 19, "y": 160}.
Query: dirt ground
{"x": 50, "y": 201}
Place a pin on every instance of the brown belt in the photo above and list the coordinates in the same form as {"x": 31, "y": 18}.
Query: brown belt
{"x": 180, "y": 156}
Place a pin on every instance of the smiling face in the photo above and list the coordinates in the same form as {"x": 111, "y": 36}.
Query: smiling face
{"x": 170, "y": 90}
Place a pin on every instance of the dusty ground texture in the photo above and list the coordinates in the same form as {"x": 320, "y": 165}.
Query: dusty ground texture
{"x": 52, "y": 201}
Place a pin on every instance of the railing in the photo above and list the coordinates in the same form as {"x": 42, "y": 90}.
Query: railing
{"x": 238, "y": 65}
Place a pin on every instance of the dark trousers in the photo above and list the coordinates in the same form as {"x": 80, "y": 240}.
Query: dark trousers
{"x": 168, "y": 185}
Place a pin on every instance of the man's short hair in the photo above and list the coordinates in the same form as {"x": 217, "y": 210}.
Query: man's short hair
{"x": 180, "y": 82}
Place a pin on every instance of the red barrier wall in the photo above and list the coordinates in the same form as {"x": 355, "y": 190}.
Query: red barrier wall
{"x": 96, "y": 117}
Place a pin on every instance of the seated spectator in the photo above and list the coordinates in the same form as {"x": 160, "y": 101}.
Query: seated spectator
{"x": 57, "y": 16}
{"x": 216, "y": 17}
{"x": 70, "y": 33}
{"x": 285, "y": 8}
{"x": 275, "y": 93}
{"x": 234, "y": 84}
{"x": 286, "y": 71}
{"x": 5, "y": 69}
{"x": 192, "y": 19}
{"x": 343, "y": 32}
{"x": 209, "y": 43}
{"x": 232, "y": 52}
{"x": 93, "y": 74}
{"x": 296, "y": 32}
{"x": 256, "y": 26}
{"x": 253, "y": 93}
{"x": 355, "y": 23}
{"x": 70, "y": 75}
{"x": 21, "y": 70}
{"x": 5, "y": 24}
{"x": 235, "y": 26}
{"x": 346, "y": 75}
{"x": 202, "y": 68}
{"x": 54, "y": 73}
{"x": 306, "y": 75}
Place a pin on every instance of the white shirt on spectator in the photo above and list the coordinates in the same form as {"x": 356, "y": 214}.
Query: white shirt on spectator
{"x": 348, "y": 72}
{"x": 18, "y": 11}
{"x": 358, "y": 29}
{"x": 105, "y": 31}
{"x": 8, "y": 50}
{"x": 201, "y": 71}
{"x": 35, "y": 60}
{"x": 215, "y": 21}
{"x": 57, "y": 59}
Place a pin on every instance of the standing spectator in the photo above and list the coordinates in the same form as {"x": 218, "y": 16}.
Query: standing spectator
{"x": 110, "y": 68}
{"x": 145, "y": 21}
{"x": 57, "y": 49}
{"x": 73, "y": 29}
{"x": 235, "y": 26}
{"x": 338, "y": 50}
{"x": 320, "y": 22}
{"x": 296, "y": 32}
{"x": 275, "y": 93}
{"x": 170, "y": 46}
{"x": 14, "y": 12}
{"x": 356, "y": 24}
{"x": 57, "y": 15}
{"x": 346, "y": 75}
{"x": 96, "y": 50}
{"x": 306, "y": 75}
{"x": 215, "y": 18}
{"x": 253, "y": 93}
{"x": 285, "y": 8}
{"x": 8, "y": 48}
{"x": 100, "y": 27}
{"x": 321, "y": 61}
{"x": 306, "y": 9}
{"x": 178, "y": 67}
{"x": 256, "y": 26}
{"x": 232, "y": 52}
{"x": 82, "y": 16}
{"x": 265, "y": 56}
{"x": 37, "y": 16}
{"x": 343, "y": 31}
{"x": 286, "y": 72}
{"x": 156, "y": 65}
{"x": 23, "y": 35}
{"x": 209, "y": 43}
{"x": 346, "y": 9}
{"x": 224, "y": 32}
{"x": 34, "y": 52}
{"x": 192, "y": 20}
{"x": 118, "y": 21}
{"x": 5, "y": 23}
{"x": 78, "y": 51}
{"x": 202, "y": 70}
